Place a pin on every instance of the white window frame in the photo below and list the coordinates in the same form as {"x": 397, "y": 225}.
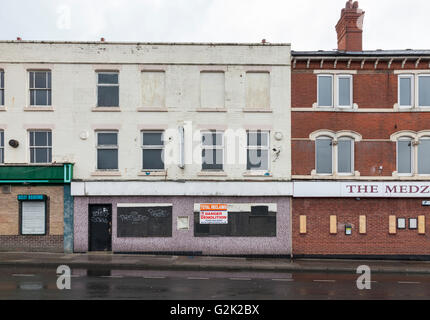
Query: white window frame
{"x": 418, "y": 158}
{"x": 336, "y": 146}
{"x": 47, "y": 147}
{"x": 344, "y": 76}
{"x": 152, "y": 147}
{"x": 32, "y": 88}
{"x": 412, "y": 156}
{"x": 107, "y": 85}
{"x": 332, "y": 155}
{"x": 106, "y": 147}
{"x": 412, "y": 78}
{"x": 2, "y": 75}
{"x": 2, "y": 147}
{"x": 318, "y": 90}
{"x": 418, "y": 89}
{"x": 248, "y": 147}
{"x": 213, "y": 147}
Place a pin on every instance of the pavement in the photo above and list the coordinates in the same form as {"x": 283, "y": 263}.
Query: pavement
{"x": 205, "y": 263}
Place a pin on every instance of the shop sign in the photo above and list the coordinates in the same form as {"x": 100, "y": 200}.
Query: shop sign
{"x": 213, "y": 214}
{"x": 362, "y": 189}
{"x": 31, "y": 197}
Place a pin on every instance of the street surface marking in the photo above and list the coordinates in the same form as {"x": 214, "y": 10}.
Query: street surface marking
{"x": 196, "y": 278}
{"x": 324, "y": 280}
{"x": 240, "y": 279}
{"x": 408, "y": 282}
{"x": 282, "y": 279}
{"x": 111, "y": 277}
{"x": 23, "y": 275}
{"x": 154, "y": 277}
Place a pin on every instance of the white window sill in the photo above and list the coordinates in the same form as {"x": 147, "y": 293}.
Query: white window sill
{"x": 152, "y": 109}
{"x": 106, "y": 173}
{"x": 45, "y": 164}
{"x": 2, "y": 108}
{"x": 152, "y": 174}
{"x": 214, "y": 109}
{"x": 106, "y": 109}
{"x": 39, "y": 109}
{"x": 212, "y": 174}
{"x": 413, "y": 108}
{"x": 257, "y": 110}
{"x": 265, "y": 174}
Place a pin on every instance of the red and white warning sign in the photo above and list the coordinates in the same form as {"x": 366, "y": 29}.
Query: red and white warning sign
{"x": 214, "y": 213}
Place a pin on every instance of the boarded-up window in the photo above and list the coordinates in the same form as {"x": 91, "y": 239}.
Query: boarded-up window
{"x": 258, "y": 90}
{"x": 333, "y": 224}
{"x": 259, "y": 222}
{"x": 140, "y": 221}
{"x": 392, "y": 225}
{"x": 153, "y": 88}
{"x": 362, "y": 227}
{"x": 421, "y": 225}
{"x": 33, "y": 218}
{"x": 212, "y": 89}
{"x": 303, "y": 225}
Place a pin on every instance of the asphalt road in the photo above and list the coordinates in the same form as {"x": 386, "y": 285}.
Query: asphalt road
{"x": 25, "y": 283}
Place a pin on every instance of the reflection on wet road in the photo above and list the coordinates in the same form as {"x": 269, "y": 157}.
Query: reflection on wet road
{"x": 19, "y": 283}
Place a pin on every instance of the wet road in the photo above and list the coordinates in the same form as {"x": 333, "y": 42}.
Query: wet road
{"x": 18, "y": 283}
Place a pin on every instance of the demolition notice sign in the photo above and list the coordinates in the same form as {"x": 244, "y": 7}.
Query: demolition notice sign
{"x": 213, "y": 213}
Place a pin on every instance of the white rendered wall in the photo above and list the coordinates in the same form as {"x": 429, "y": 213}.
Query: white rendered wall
{"x": 74, "y": 67}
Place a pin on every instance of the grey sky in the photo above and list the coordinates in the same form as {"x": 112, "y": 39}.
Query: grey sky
{"x": 306, "y": 24}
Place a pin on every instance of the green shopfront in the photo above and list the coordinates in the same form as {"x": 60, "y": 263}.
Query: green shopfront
{"x": 36, "y": 208}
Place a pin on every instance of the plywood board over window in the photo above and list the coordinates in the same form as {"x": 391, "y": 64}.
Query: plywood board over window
{"x": 421, "y": 225}
{"x": 258, "y": 90}
{"x": 333, "y": 224}
{"x": 392, "y": 226}
{"x": 212, "y": 89}
{"x": 153, "y": 89}
{"x": 362, "y": 226}
{"x": 303, "y": 225}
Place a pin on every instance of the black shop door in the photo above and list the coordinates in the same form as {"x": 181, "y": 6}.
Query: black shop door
{"x": 100, "y": 228}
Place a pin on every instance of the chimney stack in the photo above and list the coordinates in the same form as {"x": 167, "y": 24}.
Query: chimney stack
{"x": 350, "y": 28}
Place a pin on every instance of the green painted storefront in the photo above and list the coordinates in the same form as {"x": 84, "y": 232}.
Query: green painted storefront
{"x": 37, "y": 175}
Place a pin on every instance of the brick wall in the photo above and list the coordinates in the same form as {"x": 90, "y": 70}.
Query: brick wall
{"x": 10, "y": 239}
{"x": 372, "y": 89}
{"x": 368, "y": 157}
{"x": 369, "y": 125}
{"x": 377, "y": 241}
{"x": 32, "y": 243}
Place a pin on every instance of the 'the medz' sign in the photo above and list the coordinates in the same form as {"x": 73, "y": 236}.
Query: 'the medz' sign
{"x": 362, "y": 189}
{"x": 388, "y": 189}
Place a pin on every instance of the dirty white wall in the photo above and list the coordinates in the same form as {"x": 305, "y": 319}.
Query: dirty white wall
{"x": 166, "y": 77}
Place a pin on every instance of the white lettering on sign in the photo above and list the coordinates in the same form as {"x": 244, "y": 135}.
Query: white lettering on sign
{"x": 213, "y": 214}
{"x": 362, "y": 189}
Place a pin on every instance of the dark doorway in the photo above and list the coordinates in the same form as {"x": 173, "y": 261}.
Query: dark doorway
{"x": 100, "y": 227}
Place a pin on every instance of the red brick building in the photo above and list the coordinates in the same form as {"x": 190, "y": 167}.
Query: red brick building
{"x": 360, "y": 148}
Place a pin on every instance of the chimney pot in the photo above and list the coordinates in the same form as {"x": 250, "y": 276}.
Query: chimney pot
{"x": 350, "y": 28}
{"x": 102, "y": 39}
{"x": 18, "y": 38}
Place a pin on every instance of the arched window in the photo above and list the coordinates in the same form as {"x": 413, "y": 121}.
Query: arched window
{"x": 405, "y": 156}
{"x": 345, "y": 155}
{"x": 334, "y": 152}
{"x": 424, "y": 155}
{"x": 324, "y": 155}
